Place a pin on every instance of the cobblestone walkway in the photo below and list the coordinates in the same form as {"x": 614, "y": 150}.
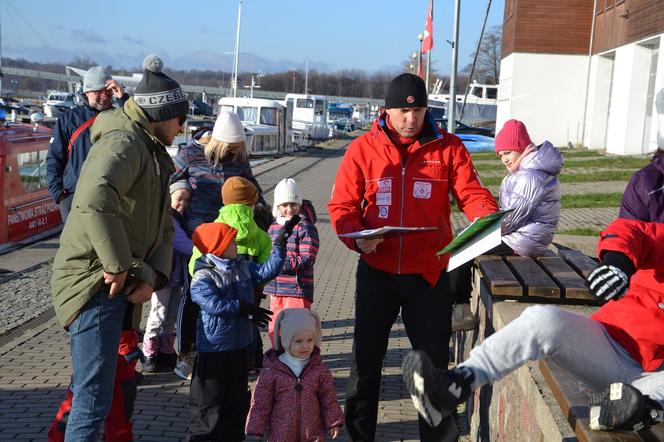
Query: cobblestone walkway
{"x": 35, "y": 369}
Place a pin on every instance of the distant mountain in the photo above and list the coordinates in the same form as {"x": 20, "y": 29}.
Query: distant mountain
{"x": 201, "y": 60}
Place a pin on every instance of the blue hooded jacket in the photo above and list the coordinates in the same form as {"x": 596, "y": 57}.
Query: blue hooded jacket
{"x": 62, "y": 172}
{"x": 218, "y": 287}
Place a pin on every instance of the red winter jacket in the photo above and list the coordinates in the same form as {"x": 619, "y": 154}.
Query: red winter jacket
{"x": 377, "y": 186}
{"x": 291, "y": 409}
{"x": 636, "y": 321}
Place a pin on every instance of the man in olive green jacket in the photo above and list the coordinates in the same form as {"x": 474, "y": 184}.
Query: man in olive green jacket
{"x": 116, "y": 247}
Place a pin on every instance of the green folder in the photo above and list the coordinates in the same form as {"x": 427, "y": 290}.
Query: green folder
{"x": 475, "y": 228}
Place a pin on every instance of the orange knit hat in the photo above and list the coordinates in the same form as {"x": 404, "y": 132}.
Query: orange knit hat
{"x": 213, "y": 238}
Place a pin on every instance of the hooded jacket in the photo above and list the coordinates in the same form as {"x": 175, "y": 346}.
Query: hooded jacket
{"x": 644, "y": 195}
{"x": 296, "y": 278}
{"x": 251, "y": 240}
{"x": 291, "y": 409}
{"x": 533, "y": 191}
{"x": 381, "y": 184}
{"x": 63, "y": 169}
{"x": 636, "y": 321}
{"x": 218, "y": 287}
{"x": 120, "y": 218}
{"x": 206, "y": 181}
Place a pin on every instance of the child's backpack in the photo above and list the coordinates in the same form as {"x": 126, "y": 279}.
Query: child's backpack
{"x": 309, "y": 211}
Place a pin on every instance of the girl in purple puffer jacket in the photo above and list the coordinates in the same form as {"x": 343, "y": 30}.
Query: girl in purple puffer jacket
{"x": 294, "y": 399}
{"x": 531, "y": 189}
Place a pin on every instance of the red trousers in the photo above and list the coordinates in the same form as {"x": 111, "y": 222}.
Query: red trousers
{"x": 117, "y": 426}
{"x": 279, "y": 303}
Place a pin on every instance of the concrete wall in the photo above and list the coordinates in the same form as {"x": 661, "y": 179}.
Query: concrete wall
{"x": 546, "y": 92}
{"x": 621, "y": 115}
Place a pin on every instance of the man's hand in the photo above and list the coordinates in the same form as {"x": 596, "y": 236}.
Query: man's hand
{"x": 139, "y": 292}
{"x": 114, "y": 88}
{"x": 116, "y": 281}
{"x": 368, "y": 245}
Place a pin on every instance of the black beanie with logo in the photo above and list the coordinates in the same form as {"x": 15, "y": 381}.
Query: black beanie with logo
{"x": 160, "y": 97}
{"x": 406, "y": 90}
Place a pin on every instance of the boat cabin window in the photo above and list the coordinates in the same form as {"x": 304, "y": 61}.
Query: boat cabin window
{"x": 247, "y": 114}
{"x": 492, "y": 92}
{"x": 269, "y": 116}
{"x": 227, "y": 108}
{"x": 304, "y": 103}
{"x": 32, "y": 168}
{"x": 319, "y": 107}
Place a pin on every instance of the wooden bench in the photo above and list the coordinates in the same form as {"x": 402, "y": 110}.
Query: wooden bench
{"x": 556, "y": 279}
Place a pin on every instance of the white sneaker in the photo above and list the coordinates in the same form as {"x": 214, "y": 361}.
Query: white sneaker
{"x": 184, "y": 365}
{"x": 462, "y": 318}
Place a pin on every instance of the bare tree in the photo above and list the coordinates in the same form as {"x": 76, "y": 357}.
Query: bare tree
{"x": 487, "y": 69}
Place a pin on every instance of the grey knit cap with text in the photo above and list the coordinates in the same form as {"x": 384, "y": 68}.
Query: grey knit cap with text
{"x": 160, "y": 97}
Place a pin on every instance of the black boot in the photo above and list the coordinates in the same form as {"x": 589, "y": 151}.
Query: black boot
{"x": 435, "y": 393}
{"x": 623, "y": 407}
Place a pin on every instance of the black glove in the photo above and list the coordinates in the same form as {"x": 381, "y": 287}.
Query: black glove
{"x": 286, "y": 231}
{"x": 258, "y": 315}
{"x": 611, "y": 279}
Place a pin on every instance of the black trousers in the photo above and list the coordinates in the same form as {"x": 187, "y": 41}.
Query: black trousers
{"x": 219, "y": 397}
{"x": 426, "y": 314}
{"x": 186, "y": 324}
{"x": 461, "y": 278}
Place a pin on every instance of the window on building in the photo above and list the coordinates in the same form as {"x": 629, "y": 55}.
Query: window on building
{"x": 32, "y": 168}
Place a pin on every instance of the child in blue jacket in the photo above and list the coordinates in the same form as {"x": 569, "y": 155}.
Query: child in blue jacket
{"x": 223, "y": 286}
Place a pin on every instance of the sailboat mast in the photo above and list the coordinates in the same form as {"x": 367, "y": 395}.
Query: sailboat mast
{"x": 236, "y": 63}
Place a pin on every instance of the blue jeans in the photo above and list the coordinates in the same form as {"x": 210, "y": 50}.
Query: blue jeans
{"x": 94, "y": 340}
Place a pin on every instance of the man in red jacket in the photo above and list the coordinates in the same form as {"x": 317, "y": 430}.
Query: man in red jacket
{"x": 401, "y": 174}
{"x": 618, "y": 351}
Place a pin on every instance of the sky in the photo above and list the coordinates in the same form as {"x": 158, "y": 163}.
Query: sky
{"x": 276, "y": 35}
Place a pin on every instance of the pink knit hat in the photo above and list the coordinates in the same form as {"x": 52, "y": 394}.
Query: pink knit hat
{"x": 513, "y": 137}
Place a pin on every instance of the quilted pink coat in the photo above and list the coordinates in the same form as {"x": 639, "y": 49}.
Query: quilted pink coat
{"x": 289, "y": 409}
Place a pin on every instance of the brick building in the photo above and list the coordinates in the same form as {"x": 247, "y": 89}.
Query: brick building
{"x": 570, "y": 91}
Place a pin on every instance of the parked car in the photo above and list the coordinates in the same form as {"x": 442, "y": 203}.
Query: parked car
{"x": 462, "y": 128}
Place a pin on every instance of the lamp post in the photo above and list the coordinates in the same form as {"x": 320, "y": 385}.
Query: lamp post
{"x": 414, "y": 65}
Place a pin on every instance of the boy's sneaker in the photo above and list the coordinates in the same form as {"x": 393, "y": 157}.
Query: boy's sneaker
{"x": 167, "y": 361}
{"x": 463, "y": 318}
{"x": 435, "y": 393}
{"x": 184, "y": 366}
{"x": 150, "y": 365}
{"x": 623, "y": 407}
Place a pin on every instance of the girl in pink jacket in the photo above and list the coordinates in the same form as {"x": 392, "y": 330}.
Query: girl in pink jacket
{"x": 294, "y": 399}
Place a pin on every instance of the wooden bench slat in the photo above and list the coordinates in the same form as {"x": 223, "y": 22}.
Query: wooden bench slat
{"x": 499, "y": 277}
{"x": 574, "y": 404}
{"x": 578, "y": 260}
{"x": 537, "y": 283}
{"x": 573, "y": 286}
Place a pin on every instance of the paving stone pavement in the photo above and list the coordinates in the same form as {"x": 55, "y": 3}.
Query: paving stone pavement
{"x": 35, "y": 369}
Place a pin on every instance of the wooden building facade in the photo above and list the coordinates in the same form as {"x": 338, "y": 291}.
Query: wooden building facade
{"x": 572, "y": 92}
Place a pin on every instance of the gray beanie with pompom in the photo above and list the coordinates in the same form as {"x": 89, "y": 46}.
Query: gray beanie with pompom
{"x": 160, "y": 97}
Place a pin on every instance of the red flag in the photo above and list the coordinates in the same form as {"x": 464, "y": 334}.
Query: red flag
{"x": 427, "y": 42}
